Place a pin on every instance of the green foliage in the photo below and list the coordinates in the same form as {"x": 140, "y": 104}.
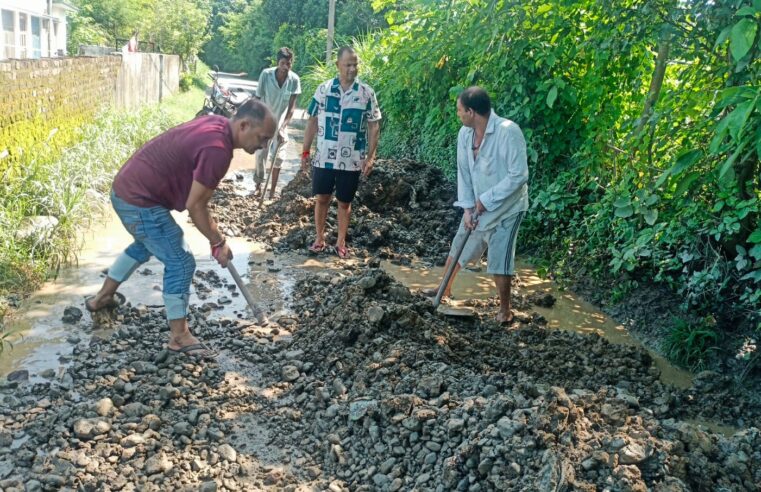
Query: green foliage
{"x": 629, "y": 178}
{"x": 62, "y": 182}
{"x": 689, "y": 344}
{"x": 247, "y": 35}
{"x": 180, "y": 27}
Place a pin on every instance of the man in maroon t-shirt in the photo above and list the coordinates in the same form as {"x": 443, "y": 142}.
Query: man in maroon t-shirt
{"x": 179, "y": 170}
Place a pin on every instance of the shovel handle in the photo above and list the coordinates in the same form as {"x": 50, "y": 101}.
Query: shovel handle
{"x": 450, "y": 270}
{"x": 260, "y": 317}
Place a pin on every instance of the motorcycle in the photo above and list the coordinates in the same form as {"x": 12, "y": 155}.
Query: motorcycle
{"x": 228, "y": 91}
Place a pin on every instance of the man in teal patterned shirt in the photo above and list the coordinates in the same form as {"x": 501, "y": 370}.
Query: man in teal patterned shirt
{"x": 344, "y": 115}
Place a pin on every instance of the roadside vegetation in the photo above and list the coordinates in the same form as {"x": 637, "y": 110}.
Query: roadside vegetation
{"x": 643, "y": 121}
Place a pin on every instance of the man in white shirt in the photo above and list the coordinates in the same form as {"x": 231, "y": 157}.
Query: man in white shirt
{"x": 492, "y": 176}
{"x": 278, "y": 88}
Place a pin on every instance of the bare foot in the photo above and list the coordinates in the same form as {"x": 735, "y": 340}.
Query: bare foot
{"x": 505, "y": 319}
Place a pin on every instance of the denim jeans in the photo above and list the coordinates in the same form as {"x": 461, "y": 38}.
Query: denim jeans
{"x": 156, "y": 234}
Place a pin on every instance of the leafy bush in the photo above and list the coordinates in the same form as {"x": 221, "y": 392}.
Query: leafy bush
{"x": 642, "y": 122}
{"x": 186, "y": 81}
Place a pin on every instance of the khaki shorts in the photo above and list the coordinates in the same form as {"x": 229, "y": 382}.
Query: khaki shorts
{"x": 500, "y": 242}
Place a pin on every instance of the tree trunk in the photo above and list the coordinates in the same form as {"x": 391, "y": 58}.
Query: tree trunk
{"x": 664, "y": 46}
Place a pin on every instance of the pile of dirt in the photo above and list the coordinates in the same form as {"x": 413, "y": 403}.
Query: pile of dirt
{"x": 365, "y": 387}
{"x": 389, "y": 395}
{"x": 403, "y": 210}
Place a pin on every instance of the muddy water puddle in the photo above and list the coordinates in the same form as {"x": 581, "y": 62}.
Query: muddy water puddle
{"x": 569, "y": 312}
{"x": 45, "y": 342}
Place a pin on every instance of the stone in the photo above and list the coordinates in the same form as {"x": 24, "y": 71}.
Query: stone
{"x": 104, "y": 407}
{"x": 359, "y": 408}
{"x": 183, "y": 429}
{"x": 289, "y": 373}
{"x": 88, "y": 428}
{"x": 455, "y": 425}
{"x": 375, "y": 314}
{"x": 71, "y": 315}
{"x": 20, "y": 376}
{"x": 210, "y": 486}
{"x": 632, "y": 454}
{"x": 227, "y": 453}
{"x": 158, "y": 463}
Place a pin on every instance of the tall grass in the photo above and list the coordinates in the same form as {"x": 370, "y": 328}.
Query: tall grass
{"x": 63, "y": 189}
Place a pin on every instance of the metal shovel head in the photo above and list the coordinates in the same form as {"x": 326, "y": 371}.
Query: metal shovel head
{"x": 455, "y": 310}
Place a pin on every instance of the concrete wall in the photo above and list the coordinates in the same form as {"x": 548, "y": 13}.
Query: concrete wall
{"x": 34, "y": 88}
{"x": 146, "y": 78}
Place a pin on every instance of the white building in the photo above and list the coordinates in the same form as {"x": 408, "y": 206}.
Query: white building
{"x": 33, "y": 28}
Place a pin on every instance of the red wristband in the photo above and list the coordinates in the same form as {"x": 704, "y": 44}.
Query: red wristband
{"x": 215, "y": 248}
{"x": 305, "y": 154}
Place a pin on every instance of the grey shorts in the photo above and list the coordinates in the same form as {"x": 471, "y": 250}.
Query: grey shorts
{"x": 262, "y": 158}
{"x": 500, "y": 242}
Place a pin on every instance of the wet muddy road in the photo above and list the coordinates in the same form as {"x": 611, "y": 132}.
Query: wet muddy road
{"x": 356, "y": 383}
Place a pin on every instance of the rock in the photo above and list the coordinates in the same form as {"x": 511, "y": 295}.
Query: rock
{"x": 183, "y": 429}
{"x": 104, "y": 407}
{"x": 227, "y": 453}
{"x": 455, "y": 425}
{"x": 144, "y": 367}
{"x": 71, "y": 315}
{"x": 632, "y": 454}
{"x": 20, "y": 376}
{"x": 375, "y": 314}
{"x": 135, "y": 409}
{"x": 367, "y": 283}
{"x": 33, "y": 486}
{"x": 132, "y": 440}
{"x": 359, "y": 408}
{"x": 289, "y": 373}
{"x": 85, "y": 429}
{"x": 158, "y": 463}
{"x": 48, "y": 373}
{"x": 210, "y": 486}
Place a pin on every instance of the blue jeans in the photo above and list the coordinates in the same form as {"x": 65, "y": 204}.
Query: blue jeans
{"x": 156, "y": 234}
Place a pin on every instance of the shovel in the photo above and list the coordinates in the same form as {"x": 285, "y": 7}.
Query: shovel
{"x": 448, "y": 275}
{"x": 260, "y": 317}
{"x": 269, "y": 172}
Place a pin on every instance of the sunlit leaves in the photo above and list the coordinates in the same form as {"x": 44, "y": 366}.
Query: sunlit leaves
{"x": 741, "y": 38}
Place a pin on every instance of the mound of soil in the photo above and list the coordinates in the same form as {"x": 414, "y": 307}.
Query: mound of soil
{"x": 403, "y": 210}
{"x": 365, "y": 387}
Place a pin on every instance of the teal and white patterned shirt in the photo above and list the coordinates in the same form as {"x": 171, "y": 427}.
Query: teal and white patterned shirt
{"x": 342, "y": 124}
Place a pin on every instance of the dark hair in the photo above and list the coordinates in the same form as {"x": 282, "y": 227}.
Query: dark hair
{"x": 284, "y": 54}
{"x": 477, "y": 99}
{"x": 345, "y": 49}
{"x": 253, "y": 109}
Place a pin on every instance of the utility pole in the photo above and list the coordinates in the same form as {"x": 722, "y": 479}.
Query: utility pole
{"x": 331, "y": 29}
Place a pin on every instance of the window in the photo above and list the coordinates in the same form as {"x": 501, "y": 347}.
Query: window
{"x": 36, "y": 38}
{"x": 23, "y": 40}
{"x": 9, "y": 39}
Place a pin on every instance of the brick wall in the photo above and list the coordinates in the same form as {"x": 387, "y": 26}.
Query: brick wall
{"x": 30, "y": 89}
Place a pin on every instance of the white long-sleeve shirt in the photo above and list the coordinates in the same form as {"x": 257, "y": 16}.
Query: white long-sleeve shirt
{"x": 498, "y": 177}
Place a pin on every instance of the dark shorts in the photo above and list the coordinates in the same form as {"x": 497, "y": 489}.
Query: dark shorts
{"x": 324, "y": 181}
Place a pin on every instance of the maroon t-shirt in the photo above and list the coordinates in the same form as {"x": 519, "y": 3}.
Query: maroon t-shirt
{"x": 163, "y": 170}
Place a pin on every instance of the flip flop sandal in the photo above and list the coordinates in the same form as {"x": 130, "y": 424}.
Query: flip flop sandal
{"x": 117, "y": 300}
{"x": 204, "y": 350}
{"x": 317, "y": 247}
{"x": 342, "y": 252}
